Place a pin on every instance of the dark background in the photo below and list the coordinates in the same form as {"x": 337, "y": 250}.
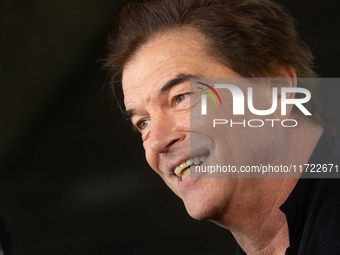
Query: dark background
{"x": 73, "y": 178}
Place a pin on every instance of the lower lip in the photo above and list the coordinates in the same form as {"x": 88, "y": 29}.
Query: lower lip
{"x": 186, "y": 182}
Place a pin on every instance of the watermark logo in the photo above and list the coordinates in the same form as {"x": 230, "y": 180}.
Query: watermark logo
{"x": 239, "y": 99}
{"x": 204, "y": 97}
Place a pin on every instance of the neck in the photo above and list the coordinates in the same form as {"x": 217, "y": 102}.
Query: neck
{"x": 257, "y": 223}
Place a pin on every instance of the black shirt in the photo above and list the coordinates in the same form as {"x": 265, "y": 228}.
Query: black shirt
{"x": 313, "y": 208}
{"x": 5, "y": 242}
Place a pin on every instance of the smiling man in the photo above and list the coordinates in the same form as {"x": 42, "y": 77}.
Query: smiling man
{"x": 157, "y": 47}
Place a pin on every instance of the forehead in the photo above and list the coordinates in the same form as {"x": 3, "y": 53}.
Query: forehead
{"x": 172, "y": 45}
{"x": 166, "y": 56}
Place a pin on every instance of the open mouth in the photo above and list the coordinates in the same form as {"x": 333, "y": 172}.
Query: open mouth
{"x": 183, "y": 169}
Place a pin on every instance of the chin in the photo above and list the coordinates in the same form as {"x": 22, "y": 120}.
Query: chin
{"x": 202, "y": 211}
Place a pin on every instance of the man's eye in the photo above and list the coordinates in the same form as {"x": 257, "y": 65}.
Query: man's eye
{"x": 143, "y": 124}
{"x": 178, "y": 99}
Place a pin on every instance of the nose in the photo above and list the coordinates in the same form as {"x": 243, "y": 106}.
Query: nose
{"x": 164, "y": 134}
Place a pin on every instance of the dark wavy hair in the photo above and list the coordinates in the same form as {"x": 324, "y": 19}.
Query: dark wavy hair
{"x": 249, "y": 36}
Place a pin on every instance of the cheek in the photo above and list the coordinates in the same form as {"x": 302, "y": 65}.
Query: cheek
{"x": 183, "y": 121}
{"x": 151, "y": 158}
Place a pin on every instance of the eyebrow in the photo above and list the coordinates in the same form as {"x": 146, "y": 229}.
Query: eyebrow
{"x": 178, "y": 79}
{"x": 166, "y": 87}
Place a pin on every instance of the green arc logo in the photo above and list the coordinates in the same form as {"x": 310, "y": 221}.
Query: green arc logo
{"x": 209, "y": 93}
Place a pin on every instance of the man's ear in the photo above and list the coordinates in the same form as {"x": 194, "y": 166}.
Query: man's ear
{"x": 287, "y": 78}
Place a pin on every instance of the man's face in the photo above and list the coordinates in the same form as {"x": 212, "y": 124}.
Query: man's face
{"x": 156, "y": 86}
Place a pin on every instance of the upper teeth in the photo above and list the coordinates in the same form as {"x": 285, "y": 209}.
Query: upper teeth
{"x": 192, "y": 161}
